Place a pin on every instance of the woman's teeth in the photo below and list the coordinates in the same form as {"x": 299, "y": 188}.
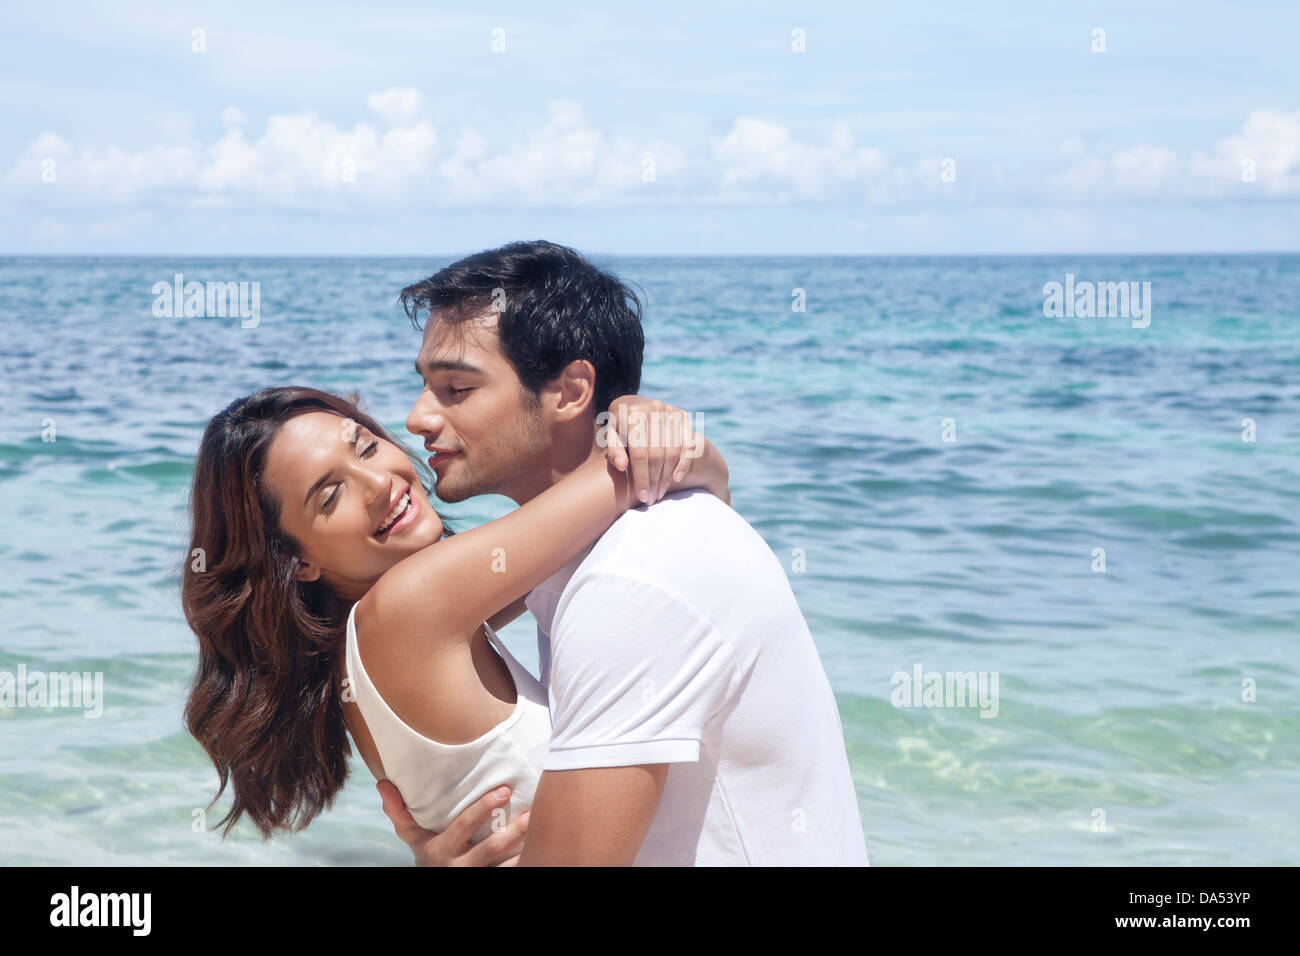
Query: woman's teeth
{"x": 399, "y": 509}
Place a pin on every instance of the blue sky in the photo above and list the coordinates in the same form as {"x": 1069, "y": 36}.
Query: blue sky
{"x": 664, "y": 128}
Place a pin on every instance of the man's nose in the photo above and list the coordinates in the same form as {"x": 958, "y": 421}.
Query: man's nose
{"x": 426, "y": 418}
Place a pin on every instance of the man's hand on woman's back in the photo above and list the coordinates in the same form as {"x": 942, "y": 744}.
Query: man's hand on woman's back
{"x": 451, "y": 847}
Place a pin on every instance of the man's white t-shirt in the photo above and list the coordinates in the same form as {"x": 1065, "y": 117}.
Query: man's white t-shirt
{"x": 676, "y": 639}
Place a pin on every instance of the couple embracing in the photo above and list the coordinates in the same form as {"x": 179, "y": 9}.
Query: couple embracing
{"x": 681, "y": 716}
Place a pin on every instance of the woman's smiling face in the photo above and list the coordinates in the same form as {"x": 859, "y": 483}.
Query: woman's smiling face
{"x": 352, "y": 501}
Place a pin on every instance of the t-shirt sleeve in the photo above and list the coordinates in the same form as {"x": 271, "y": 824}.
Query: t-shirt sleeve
{"x": 635, "y": 673}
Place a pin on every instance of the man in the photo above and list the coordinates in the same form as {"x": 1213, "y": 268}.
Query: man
{"x": 692, "y": 721}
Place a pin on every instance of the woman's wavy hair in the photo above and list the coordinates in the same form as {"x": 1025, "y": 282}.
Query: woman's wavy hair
{"x": 265, "y": 702}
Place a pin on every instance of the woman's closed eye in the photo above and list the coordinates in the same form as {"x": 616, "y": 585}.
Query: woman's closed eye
{"x": 369, "y": 450}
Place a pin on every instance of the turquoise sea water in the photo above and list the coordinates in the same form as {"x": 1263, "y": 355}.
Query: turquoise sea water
{"x": 1119, "y": 691}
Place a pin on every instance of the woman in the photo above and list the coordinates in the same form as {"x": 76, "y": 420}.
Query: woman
{"x": 332, "y": 598}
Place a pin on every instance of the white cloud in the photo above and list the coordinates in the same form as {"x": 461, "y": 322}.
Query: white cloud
{"x": 566, "y": 161}
{"x": 1144, "y": 170}
{"x": 1269, "y": 142}
{"x": 301, "y": 161}
{"x": 1270, "y": 139}
{"x": 50, "y": 144}
{"x": 108, "y": 176}
{"x": 761, "y": 160}
{"x": 396, "y": 104}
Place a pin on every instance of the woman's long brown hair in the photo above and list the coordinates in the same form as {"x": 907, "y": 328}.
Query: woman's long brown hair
{"x": 265, "y": 702}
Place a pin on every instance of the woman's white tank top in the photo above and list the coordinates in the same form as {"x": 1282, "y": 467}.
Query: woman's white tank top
{"x": 438, "y": 781}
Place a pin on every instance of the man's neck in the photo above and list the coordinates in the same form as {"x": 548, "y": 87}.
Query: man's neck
{"x": 566, "y": 454}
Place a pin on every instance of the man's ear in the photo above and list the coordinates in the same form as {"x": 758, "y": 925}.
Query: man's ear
{"x": 575, "y": 388}
{"x": 307, "y": 571}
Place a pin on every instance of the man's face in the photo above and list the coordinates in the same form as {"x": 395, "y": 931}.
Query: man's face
{"x": 485, "y": 434}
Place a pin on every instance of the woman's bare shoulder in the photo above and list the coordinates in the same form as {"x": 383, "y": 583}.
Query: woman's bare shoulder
{"x": 438, "y": 682}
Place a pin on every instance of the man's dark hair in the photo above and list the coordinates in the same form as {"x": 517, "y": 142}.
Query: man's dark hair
{"x": 554, "y": 308}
